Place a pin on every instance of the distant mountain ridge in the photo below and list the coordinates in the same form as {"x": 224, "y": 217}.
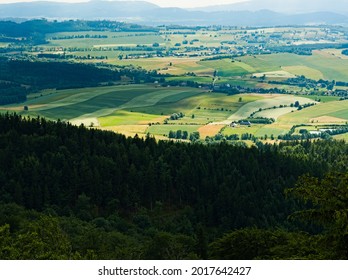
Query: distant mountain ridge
{"x": 84, "y": 10}
{"x": 288, "y": 6}
{"x": 147, "y": 13}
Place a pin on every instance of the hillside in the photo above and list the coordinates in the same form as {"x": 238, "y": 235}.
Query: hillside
{"x": 147, "y": 13}
{"x": 289, "y": 6}
{"x": 104, "y": 196}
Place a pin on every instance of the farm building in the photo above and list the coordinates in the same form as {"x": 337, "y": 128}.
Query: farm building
{"x": 245, "y": 123}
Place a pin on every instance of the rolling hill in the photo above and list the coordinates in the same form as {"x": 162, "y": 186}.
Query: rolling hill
{"x": 289, "y": 6}
{"x": 150, "y": 14}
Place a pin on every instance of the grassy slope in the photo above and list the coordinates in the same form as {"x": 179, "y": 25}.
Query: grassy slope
{"x": 275, "y": 100}
{"x": 227, "y": 68}
{"x": 319, "y": 65}
{"x": 96, "y": 102}
{"x": 114, "y": 38}
{"x": 164, "y": 129}
{"x": 338, "y": 109}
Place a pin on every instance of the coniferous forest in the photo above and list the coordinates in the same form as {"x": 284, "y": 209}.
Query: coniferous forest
{"x": 21, "y": 77}
{"x": 69, "y": 192}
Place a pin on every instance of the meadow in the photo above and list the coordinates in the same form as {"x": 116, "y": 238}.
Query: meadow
{"x": 184, "y": 51}
{"x": 143, "y": 109}
{"x": 113, "y": 39}
{"x": 188, "y": 55}
{"x": 342, "y": 137}
{"x": 331, "y": 112}
{"x": 239, "y": 72}
{"x": 195, "y": 45}
{"x": 269, "y": 106}
{"x": 317, "y": 66}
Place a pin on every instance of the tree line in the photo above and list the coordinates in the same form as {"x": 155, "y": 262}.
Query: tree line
{"x": 20, "y": 77}
{"x": 34, "y": 31}
{"x": 69, "y": 192}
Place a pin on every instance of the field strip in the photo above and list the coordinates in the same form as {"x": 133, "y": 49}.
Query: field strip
{"x": 327, "y": 119}
{"x": 118, "y": 45}
{"x": 145, "y": 100}
{"x": 274, "y": 113}
{"x": 210, "y": 130}
{"x": 313, "y": 113}
{"x": 150, "y": 99}
{"x": 85, "y": 122}
{"x": 75, "y": 98}
{"x": 246, "y": 66}
{"x": 247, "y": 109}
{"x": 304, "y": 70}
{"x": 128, "y": 130}
{"x": 275, "y": 74}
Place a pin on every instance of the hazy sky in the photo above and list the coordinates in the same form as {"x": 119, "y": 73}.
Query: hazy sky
{"x": 163, "y": 3}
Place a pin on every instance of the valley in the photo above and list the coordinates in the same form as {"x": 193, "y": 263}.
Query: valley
{"x": 214, "y": 76}
{"x": 130, "y": 131}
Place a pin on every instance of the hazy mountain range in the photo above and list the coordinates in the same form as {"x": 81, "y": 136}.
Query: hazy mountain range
{"x": 287, "y": 6}
{"x": 251, "y": 13}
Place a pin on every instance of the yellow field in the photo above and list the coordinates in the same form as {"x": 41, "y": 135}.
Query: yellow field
{"x": 333, "y": 52}
{"x": 209, "y": 130}
{"x": 304, "y": 70}
{"x": 128, "y": 130}
{"x": 336, "y": 111}
{"x": 327, "y": 119}
{"x": 122, "y": 117}
{"x": 341, "y": 137}
{"x": 168, "y": 65}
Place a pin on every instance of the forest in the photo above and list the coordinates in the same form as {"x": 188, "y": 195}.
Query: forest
{"x": 34, "y": 31}
{"x": 69, "y": 192}
{"x": 21, "y": 77}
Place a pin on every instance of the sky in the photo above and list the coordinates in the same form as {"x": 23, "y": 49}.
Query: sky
{"x": 162, "y": 3}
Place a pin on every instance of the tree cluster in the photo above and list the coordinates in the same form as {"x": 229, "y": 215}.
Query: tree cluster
{"x": 37, "y": 75}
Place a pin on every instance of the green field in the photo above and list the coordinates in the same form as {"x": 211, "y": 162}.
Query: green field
{"x": 342, "y": 137}
{"x": 227, "y": 68}
{"x": 134, "y": 107}
{"x": 164, "y": 129}
{"x": 98, "y": 102}
{"x": 317, "y": 66}
{"x": 271, "y": 101}
{"x": 323, "y": 99}
{"x": 145, "y": 108}
{"x": 322, "y": 113}
{"x": 121, "y": 117}
{"x": 258, "y": 130}
{"x": 141, "y": 109}
{"x": 274, "y": 113}
{"x": 113, "y": 39}
{"x": 322, "y": 64}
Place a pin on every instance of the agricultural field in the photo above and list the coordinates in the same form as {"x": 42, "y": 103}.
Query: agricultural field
{"x": 325, "y": 113}
{"x": 317, "y": 66}
{"x": 98, "y": 102}
{"x": 241, "y": 74}
{"x": 342, "y": 137}
{"x": 228, "y": 67}
{"x": 179, "y": 51}
{"x": 269, "y": 107}
{"x": 106, "y": 39}
{"x": 147, "y": 109}
{"x": 274, "y": 66}
{"x": 323, "y": 99}
{"x": 164, "y": 129}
